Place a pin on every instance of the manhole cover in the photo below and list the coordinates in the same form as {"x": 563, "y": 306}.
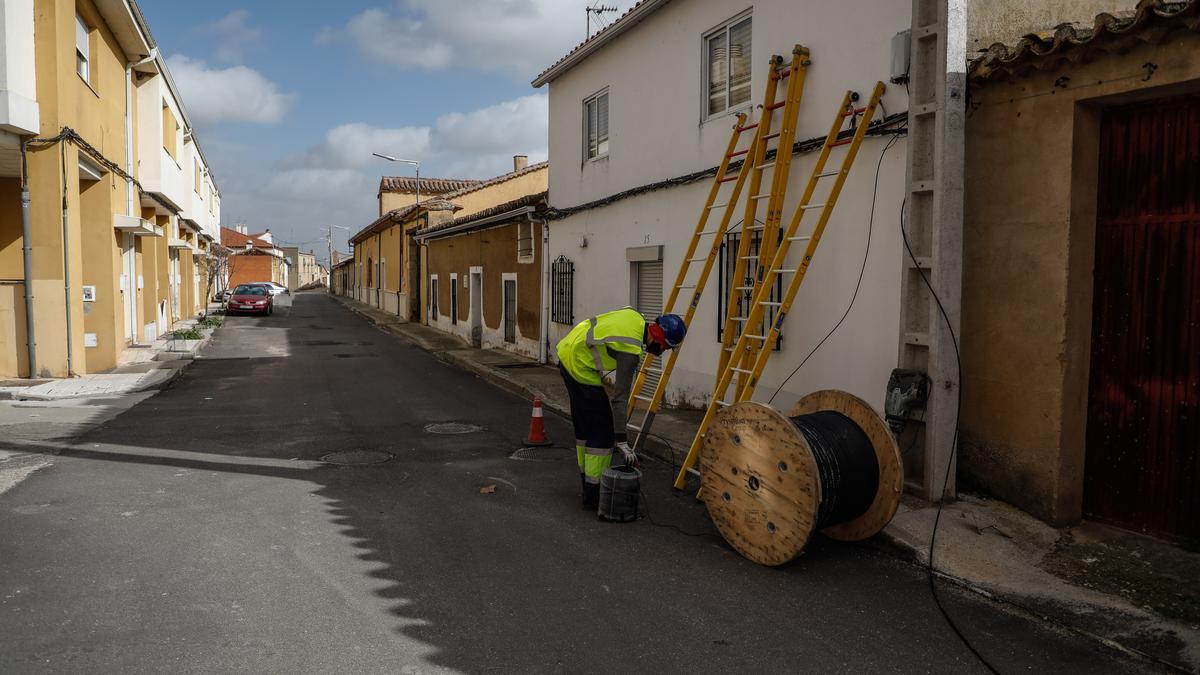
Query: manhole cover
{"x": 547, "y": 454}
{"x": 452, "y": 428}
{"x": 356, "y": 457}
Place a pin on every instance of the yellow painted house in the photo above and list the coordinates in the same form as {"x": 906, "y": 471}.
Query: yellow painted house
{"x": 387, "y": 259}
{"x": 107, "y": 206}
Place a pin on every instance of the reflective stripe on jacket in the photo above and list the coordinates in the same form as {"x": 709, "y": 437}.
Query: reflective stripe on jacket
{"x": 584, "y": 351}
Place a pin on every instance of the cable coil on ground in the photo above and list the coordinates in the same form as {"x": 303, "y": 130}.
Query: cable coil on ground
{"x": 769, "y": 480}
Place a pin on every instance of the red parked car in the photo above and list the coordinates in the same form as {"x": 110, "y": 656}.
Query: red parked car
{"x": 250, "y": 298}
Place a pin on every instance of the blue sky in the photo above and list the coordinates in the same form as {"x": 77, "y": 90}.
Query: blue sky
{"x": 289, "y": 99}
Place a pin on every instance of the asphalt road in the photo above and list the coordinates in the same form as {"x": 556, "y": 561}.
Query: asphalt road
{"x": 199, "y": 532}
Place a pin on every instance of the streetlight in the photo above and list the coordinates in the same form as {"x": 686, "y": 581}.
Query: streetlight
{"x": 417, "y": 212}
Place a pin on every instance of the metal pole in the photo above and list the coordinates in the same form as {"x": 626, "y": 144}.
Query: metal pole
{"x": 27, "y": 259}
{"x": 418, "y": 219}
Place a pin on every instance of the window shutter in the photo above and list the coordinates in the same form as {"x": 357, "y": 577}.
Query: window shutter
{"x": 602, "y": 124}
{"x": 739, "y": 63}
{"x": 717, "y": 76}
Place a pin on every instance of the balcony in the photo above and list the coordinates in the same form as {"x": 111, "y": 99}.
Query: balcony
{"x": 138, "y": 227}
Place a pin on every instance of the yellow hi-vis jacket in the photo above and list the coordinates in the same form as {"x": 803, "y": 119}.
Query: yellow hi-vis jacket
{"x": 584, "y": 351}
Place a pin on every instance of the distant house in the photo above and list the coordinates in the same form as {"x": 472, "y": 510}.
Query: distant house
{"x": 484, "y": 274}
{"x": 253, "y": 257}
{"x": 388, "y": 266}
{"x": 302, "y": 266}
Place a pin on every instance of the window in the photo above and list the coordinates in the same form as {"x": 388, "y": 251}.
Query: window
{"x": 524, "y": 242}
{"x": 726, "y": 267}
{"x": 727, "y": 66}
{"x": 595, "y": 126}
{"x": 196, "y": 175}
{"x": 454, "y": 299}
{"x": 562, "y": 291}
{"x": 170, "y": 130}
{"x": 510, "y": 309}
{"x": 83, "y": 49}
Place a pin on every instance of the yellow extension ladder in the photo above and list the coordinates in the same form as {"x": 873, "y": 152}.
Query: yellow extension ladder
{"x": 752, "y": 167}
{"x": 748, "y": 356}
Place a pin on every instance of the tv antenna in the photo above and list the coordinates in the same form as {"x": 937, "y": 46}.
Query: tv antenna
{"x": 598, "y": 10}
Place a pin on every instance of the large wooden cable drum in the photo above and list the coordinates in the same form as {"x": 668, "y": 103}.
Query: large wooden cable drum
{"x": 770, "y": 480}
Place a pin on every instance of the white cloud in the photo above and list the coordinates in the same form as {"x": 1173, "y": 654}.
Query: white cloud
{"x": 234, "y": 35}
{"x": 475, "y": 144}
{"x": 234, "y": 94}
{"x": 520, "y": 37}
{"x": 335, "y": 180}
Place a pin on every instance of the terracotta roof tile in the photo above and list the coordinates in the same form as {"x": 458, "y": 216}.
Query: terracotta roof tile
{"x": 536, "y": 199}
{"x": 234, "y": 239}
{"x": 397, "y": 215}
{"x": 430, "y": 186}
{"x": 1151, "y": 21}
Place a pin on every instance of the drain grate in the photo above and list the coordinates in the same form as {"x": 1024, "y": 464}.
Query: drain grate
{"x": 546, "y": 454}
{"x": 356, "y": 457}
{"x": 452, "y": 428}
{"x": 322, "y": 343}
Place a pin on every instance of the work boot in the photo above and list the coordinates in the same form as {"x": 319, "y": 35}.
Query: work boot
{"x": 591, "y": 495}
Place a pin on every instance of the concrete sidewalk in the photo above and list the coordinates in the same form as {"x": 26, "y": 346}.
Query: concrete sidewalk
{"x": 1149, "y": 609}
{"x": 140, "y": 368}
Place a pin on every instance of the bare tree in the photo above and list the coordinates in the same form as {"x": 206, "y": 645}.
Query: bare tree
{"x": 215, "y": 266}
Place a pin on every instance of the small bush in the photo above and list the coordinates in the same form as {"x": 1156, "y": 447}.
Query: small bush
{"x": 188, "y": 334}
{"x": 211, "y": 321}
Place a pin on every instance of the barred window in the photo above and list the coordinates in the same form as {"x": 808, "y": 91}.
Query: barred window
{"x": 562, "y": 291}
{"x": 726, "y": 266}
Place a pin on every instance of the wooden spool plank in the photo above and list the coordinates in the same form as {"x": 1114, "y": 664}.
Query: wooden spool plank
{"x": 887, "y": 453}
{"x": 760, "y": 483}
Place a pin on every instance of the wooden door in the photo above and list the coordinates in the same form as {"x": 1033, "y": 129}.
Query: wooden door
{"x": 1142, "y": 467}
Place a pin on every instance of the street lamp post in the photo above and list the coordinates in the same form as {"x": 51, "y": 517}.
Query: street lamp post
{"x": 417, "y": 210}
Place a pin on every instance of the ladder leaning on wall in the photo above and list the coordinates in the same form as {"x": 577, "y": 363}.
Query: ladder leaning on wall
{"x": 650, "y": 386}
{"x": 748, "y": 357}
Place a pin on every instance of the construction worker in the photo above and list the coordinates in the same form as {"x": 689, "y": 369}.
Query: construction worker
{"x": 611, "y": 342}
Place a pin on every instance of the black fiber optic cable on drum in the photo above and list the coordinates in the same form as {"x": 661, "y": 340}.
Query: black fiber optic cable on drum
{"x": 846, "y": 465}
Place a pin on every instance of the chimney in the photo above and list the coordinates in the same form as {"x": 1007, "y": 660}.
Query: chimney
{"x": 520, "y": 162}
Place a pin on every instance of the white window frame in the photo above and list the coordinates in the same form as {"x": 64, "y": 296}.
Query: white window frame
{"x": 705, "y": 65}
{"x": 587, "y": 156}
{"x": 83, "y": 49}
{"x": 525, "y": 258}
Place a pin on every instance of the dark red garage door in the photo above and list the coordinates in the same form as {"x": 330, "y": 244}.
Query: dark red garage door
{"x": 1143, "y": 440}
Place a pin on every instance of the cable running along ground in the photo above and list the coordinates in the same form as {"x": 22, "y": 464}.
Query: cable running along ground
{"x": 930, "y": 569}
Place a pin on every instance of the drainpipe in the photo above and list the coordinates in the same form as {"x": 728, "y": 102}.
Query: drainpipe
{"x": 27, "y": 258}
{"x": 67, "y": 265}
{"x": 544, "y": 339}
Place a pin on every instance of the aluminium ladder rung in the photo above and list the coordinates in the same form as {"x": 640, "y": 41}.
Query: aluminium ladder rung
{"x": 718, "y": 206}
{"x": 635, "y": 428}
{"x": 766, "y": 165}
{"x": 692, "y": 260}
{"x": 771, "y": 303}
{"x": 773, "y": 134}
{"x": 742, "y": 370}
{"x": 808, "y": 207}
{"x": 827, "y": 174}
{"x": 751, "y": 336}
{"x": 723, "y": 402}
{"x": 805, "y": 238}
{"x": 644, "y": 398}
{"x": 762, "y": 196}
{"x": 739, "y": 318}
{"x": 683, "y": 286}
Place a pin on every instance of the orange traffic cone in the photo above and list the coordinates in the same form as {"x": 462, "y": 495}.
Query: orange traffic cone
{"x": 537, "y": 425}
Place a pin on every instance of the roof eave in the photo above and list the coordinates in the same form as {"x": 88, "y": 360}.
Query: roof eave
{"x": 634, "y": 17}
{"x": 470, "y": 225}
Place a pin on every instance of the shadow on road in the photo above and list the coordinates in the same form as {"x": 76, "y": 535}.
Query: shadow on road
{"x": 407, "y": 564}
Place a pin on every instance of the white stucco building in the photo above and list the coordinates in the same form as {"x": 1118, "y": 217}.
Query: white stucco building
{"x": 648, "y": 72}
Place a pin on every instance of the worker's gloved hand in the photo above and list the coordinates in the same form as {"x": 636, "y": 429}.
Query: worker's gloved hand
{"x": 627, "y": 453}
